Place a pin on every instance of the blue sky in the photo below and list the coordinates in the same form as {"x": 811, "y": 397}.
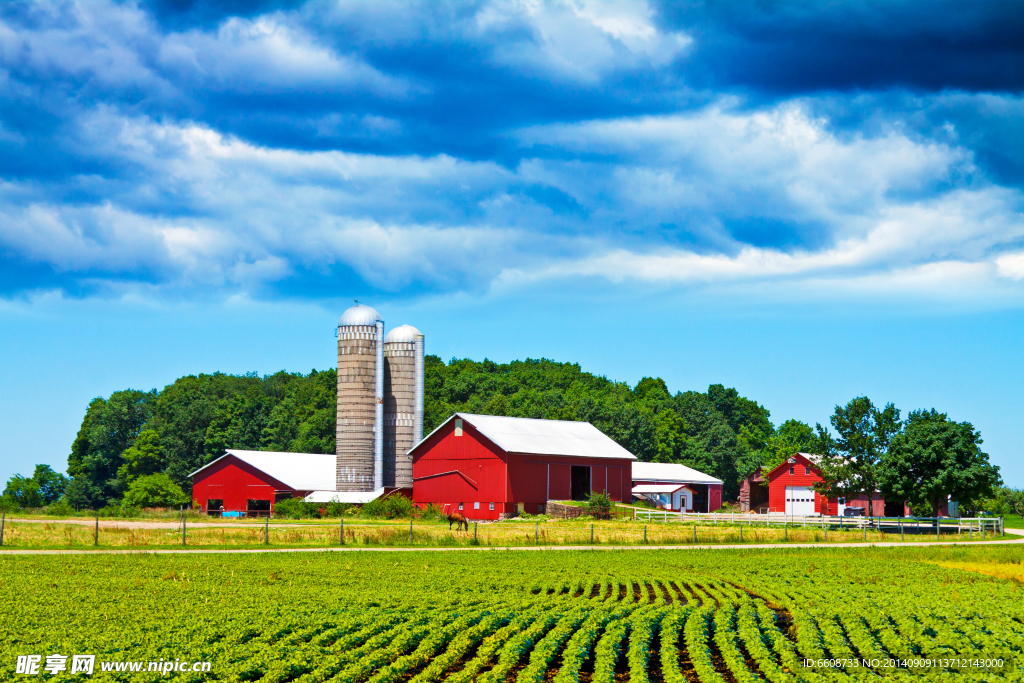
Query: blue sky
{"x": 807, "y": 201}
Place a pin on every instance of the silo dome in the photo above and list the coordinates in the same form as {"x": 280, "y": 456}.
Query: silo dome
{"x": 360, "y": 314}
{"x": 403, "y": 333}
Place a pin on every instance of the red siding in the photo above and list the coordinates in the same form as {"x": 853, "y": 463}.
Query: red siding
{"x": 234, "y": 482}
{"x": 715, "y": 496}
{"x": 780, "y": 478}
{"x": 467, "y": 469}
{"x": 444, "y": 465}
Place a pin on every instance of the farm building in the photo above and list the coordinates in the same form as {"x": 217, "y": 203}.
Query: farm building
{"x": 677, "y": 497}
{"x": 754, "y": 492}
{"x": 706, "y": 490}
{"x": 790, "y": 490}
{"x": 488, "y": 467}
{"x": 250, "y": 482}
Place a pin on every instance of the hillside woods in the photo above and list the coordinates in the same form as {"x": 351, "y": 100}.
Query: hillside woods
{"x": 193, "y": 420}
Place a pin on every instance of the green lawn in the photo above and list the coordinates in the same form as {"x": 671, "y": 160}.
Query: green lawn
{"x": 1013, "y": 522}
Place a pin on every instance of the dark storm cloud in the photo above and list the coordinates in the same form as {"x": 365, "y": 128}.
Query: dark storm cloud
{"x": 800, "y": 47}
{"x": 273, "y": 148}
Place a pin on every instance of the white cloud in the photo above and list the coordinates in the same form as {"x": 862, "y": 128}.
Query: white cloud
{"x": 194, "y": 207}
{"x": 120, "y": 46}
{"x": 267, "y": 53}
{"x": 579, "y": 39}
{"x": 1011, "y": 265}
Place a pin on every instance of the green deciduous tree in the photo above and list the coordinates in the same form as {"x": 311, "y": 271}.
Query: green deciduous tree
{"x": 935, "y": 458}
{"x": 154, "y": 490}
{"x": 145, "y": 456}
{"x": 44, "y": 487}
{"x": 110, "y": 427}
{"x": 864, "y": 435}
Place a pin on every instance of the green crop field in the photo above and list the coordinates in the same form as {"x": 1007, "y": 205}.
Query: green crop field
{"x": 493, "y": 616}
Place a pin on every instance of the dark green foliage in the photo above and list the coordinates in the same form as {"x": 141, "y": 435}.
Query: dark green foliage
{"x": 689, "y": 428}
{"x": 191, "y": 422}
{"x": 44, "y": 487}
{"x": 393, "y": 506}
{"x": 934, "y": 458}
{"x": 598, "y": 505}
{"x": 110, "y": 427}
{"x": 154, "y": 491}
{"x": 852, "y": 469}
{"x": 297, "y": 508}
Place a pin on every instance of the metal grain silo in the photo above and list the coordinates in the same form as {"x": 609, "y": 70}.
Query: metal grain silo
{"x": 403, "y": 402}
{"x": 360, "y": 437}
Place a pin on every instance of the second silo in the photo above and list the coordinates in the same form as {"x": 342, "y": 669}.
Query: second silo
{"x": 403, "y": 402}
{"x": 360, "y": 400}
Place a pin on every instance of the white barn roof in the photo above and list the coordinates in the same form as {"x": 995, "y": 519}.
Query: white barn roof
{"x": 300, "y": 471}
{"x": 659, "y": 488}
{"x": 666, "y": 471}
{"x": 544, "y": 437}
{"x": 352, "y": 497}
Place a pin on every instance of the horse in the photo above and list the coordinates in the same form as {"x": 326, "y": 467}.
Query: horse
{"x": 459, "y": 520}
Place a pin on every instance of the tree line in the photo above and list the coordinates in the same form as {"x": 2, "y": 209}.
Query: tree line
{"x": 137, "y": 447}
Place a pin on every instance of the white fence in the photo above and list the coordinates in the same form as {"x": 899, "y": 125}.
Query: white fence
{"x": 913, "y": 525}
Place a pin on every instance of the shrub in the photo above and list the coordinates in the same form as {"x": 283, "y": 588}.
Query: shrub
{"x": 335, "y": 509}
{"x": 389, "y": 507}
{"x": 598, "y": 505}
{"x": 431, "y": 512}
{"x": 297, "y": 508}
{"x": 119, "y": 511}
{"x": 153, "y": 491}
{"x": 61, "y": 508}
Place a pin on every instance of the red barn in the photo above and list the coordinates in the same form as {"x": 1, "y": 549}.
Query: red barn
{"x": 489, "y": 466}
{"x": 790, "y": 491}
{"x": 250, "y": 482}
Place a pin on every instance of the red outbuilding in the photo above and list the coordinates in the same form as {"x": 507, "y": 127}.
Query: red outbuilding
{"x": 488, "y": 467}
{"x": 790, "y": 490}
{"x": 250, "y": 482}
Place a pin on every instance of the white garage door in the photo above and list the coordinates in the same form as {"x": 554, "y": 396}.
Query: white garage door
{"x": 799, "y": 500}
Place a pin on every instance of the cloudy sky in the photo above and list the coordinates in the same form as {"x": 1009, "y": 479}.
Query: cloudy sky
{"x": 807, "y": 201}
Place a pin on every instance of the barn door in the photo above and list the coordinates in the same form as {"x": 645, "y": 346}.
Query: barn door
{"x": 799, "y": 500}
{"x": 580, "y": 482}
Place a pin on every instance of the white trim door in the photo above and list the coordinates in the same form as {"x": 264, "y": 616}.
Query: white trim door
{"x": 799, "y": 500}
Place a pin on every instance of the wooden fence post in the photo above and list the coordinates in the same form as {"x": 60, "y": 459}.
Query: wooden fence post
{"x": 474, "y": 532}
{"x": 341, "y": 532}
{"x": 591, "y": 534}
{"x": 266, "y": 531}
{"x": 536, "y": 534}
{"x": 410, "y": 531}
{"x": 3, "y": 521}
{"x": 96, "y": 538}
{"x": 183, "y": 523}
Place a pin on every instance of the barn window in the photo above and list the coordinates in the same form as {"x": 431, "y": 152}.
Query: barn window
{"x": 807, "y": 470}
{"x": 460, "y": 506}
{"x": 458, "y": 426}
{"x": 792, "y": 470}
{"x": 540, "y": 508}
{"x": 476, "y": 506}
{"x": 491, "y": 506}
